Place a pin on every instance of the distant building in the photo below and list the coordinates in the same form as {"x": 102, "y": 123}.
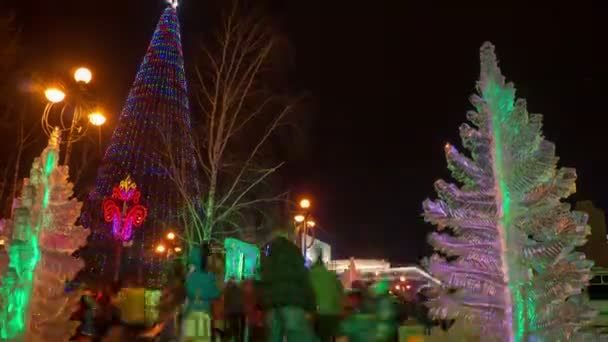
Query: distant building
{"x": 370, "y": 270}
{"x": 367, "y": 270}
{"x": 597, "y": 242}
{"x": 362, "y": 265}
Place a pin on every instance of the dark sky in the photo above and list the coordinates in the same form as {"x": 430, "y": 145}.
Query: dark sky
{"x": 391, "y": 83}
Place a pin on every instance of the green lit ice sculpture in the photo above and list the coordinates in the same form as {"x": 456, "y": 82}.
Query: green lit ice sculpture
{"x": 242, "y": 260}
{"x": 33, "y": 303}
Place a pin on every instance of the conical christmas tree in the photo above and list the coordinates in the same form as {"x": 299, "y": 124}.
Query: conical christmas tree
{"x": 152, "y": 129}
{"x": 507, "y": 263}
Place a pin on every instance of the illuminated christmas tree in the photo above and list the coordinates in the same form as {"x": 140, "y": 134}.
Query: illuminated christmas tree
{"x": 33, "y": 303}
{"x": 153, "y": 127}
{"x": 507, "y": 261}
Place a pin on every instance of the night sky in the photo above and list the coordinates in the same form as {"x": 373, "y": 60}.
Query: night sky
{"x": 390, "y": 85}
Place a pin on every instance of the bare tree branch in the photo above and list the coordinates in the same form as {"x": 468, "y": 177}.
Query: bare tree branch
{"x": 240, "y": 117}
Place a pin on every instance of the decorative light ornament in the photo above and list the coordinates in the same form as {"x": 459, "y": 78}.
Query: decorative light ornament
{"x": 83, "y": 75}
{"x": 160, "y": 249}
{"x": 97, "y": 119}
{"x": 305, "y": 203}
{"x": 171, "y": 236}
{"x": 54, "y": 95}
{"x": 299, "y": 218}
{"x": 173, "y": 3}
{"x": 124, "y": 220}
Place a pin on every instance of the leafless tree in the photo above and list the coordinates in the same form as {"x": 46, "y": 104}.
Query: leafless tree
{"x": 14, "y": 115}
{"x": 241, "y": 112}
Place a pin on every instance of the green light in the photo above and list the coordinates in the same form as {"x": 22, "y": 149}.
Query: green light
{"x": 50, "y": 163}
{"x": 24, "y": 257}
{"x": 501, "y": 105}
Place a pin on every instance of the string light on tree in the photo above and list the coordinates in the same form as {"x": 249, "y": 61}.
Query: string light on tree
{"x": 117, "y": 211}
{"x": 152, "y": 124}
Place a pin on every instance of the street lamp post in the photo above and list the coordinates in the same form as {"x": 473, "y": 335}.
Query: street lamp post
{"x": 97, "y": 119}
{"x": 170, "y": 246}
{"x": 304, "y": 224}
{"x": 79, "y": 105}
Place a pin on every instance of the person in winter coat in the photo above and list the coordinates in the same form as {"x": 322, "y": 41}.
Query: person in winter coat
{"x": 254, "y": 317}
{"x": 287, "y": 292}
{"x": 387, "y": 327}
{"x": 330, "y": 300}
{"x": 201, "y": 290}
{"x": 360, "y": 325}
{"x": 234, "y": 311}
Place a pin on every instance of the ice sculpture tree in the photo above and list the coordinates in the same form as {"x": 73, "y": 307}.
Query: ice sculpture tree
{"x": 505, "y": 241}
{"x": 33, "y": 303}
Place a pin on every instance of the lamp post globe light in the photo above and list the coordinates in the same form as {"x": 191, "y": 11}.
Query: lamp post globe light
{"x": 72, "y": 98}
{"x": 54, "y": 95}
{"x": 83, "y": 75}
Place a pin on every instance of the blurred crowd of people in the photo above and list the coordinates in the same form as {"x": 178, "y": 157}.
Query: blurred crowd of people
{"x": 289, "y": 302}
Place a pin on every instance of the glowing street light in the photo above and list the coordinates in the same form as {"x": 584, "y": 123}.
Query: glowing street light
{"x": 178, "y": 249}
{"x": 311, "y": 223}
{"x": 160, "y": 249}
{"x": 305, "y": 203}
{"x": 83, "y": 75}
{"x": 97, "y": 119}
{"x": 54, "y": 95}
{"x": 299, "y": 218}
{"x": 171, "y": 236}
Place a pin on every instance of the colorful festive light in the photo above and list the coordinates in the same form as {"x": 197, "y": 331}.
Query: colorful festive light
{"x": 123, "y": 220}
{"x": 155, "y": 118}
